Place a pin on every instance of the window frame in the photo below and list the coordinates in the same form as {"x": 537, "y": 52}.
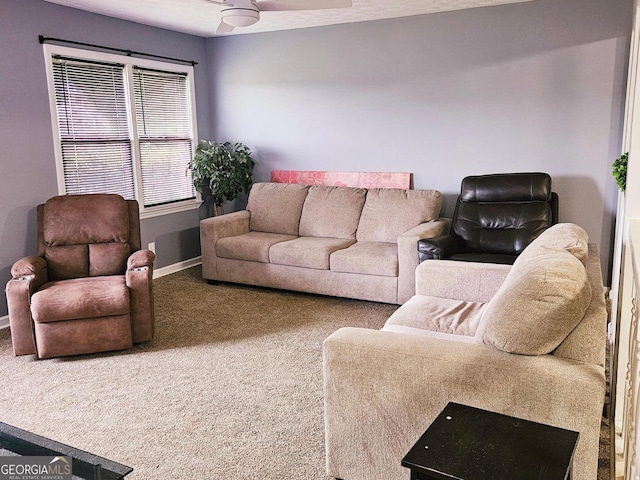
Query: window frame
{"x": 129, "y": 63}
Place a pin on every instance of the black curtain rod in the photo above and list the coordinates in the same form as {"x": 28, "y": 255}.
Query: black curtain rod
{"x": 129, "y": 53}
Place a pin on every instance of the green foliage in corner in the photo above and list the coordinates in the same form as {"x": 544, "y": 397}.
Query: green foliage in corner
{"x": 620, "y": 170}
{"x": 227, "y": 168}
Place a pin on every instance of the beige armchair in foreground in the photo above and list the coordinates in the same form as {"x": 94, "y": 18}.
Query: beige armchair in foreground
{"x": 89, "y": 288}
{"x": 526, "y": 340}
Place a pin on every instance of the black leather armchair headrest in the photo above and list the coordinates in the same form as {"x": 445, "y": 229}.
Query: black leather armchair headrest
{"x": 506, "y": 187}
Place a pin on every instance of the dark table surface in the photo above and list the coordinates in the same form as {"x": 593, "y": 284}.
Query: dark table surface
{"x": 468, "y": 443}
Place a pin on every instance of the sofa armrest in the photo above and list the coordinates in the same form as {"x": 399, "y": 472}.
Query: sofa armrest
{"x": 408, "y": 256}
{"x": 439, "y": 248}
{"x": 139, "y": 279}
{"x": 383, "y": 389}
{"x": 214, "y": 228}
{"x": 468, "y": 281}
{"x": 28, "y": 275}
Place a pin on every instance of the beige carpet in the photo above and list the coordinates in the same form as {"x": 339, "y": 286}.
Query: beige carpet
{"x": 231, "y": 387}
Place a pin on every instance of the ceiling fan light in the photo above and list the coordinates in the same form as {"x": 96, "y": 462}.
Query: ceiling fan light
{"x": 240, "y": 17}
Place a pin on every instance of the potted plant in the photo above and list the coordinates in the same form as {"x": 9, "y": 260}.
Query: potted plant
{"x": 620, "y": 170}
{"x": 220, "y": 171}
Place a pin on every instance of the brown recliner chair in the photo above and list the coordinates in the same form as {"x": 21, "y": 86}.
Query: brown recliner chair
{"x": 89, "y": 288}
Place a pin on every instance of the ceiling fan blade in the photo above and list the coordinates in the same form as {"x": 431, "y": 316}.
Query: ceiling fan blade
{"x": 224, "y": 28}
{"x": 289, "y": 5}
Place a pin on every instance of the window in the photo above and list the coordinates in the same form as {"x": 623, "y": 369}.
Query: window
{"x": 123, "y": 125}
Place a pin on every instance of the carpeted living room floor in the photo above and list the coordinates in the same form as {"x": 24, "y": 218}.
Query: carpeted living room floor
{"x": 230, "y": 388}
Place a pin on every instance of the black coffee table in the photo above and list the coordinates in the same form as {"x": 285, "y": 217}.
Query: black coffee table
{"x": 85, "y": 465}
{"x": 468, "y": 443}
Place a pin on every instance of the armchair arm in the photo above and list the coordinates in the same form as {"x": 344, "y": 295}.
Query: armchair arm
{"x": 214, "y": 228}
{"x": 139, "y": 279}
{"x": 383, "y": 389}
{"x": 140, "y": 259}
{"x": 439, "y": 248}
{"x": 407, "y": 257}
{"x": 468, "y": 281}
{"x": 32, "y": 265}
{"x": 29, "y": 274}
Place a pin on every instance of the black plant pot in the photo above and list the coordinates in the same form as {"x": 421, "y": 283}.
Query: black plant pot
{"x": 207, "y": 208}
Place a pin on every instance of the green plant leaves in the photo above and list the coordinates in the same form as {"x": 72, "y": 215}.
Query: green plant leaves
{"x": 620, "y": 170}
{"x": 227, "y": 168}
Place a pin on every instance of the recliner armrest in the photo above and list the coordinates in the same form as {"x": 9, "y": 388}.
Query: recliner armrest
{"x": 29, "y": 274}
{"x": 440, "y": 247}
{"x": 139, "y": 280}
{"x": 141, "y": 258}
{"x": 32, "y": 265}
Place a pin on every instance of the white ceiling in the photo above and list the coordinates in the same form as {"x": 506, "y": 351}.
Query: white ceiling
{"x": 201, "y": 17}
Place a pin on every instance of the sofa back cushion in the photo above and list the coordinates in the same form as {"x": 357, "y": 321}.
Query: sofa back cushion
{"x": 587, "y": 342}
{"x": 389, "y": 212}
{"x": 332, "y": 212}
{"x": 540, "y": 302}
{"x": 276, "y": 207}
{"x": 564, "y": 236}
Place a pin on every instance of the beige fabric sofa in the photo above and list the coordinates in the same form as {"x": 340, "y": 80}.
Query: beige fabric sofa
{"x": 341, "y": 241}
{"x": 526, "y": 340}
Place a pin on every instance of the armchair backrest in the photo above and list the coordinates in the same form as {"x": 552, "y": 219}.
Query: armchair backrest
{"x": 503, "y": 213}
{"x": 87, "y": 235}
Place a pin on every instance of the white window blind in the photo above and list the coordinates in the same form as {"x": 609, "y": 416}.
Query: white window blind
{"x": 163, "y": 123}
{"x": 94, "y": 127}
{"x": 124, "y": 128}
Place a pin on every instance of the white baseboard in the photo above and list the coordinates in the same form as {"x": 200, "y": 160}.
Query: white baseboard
{"x": 176, "y": 267}
{"x": 158, "y": 272}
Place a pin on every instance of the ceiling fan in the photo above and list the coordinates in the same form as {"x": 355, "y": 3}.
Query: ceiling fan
{"x": 242, "y": 13}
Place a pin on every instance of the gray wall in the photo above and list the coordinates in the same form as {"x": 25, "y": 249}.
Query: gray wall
{"x": 532, "y": 86}
{"x": 536, "y": 86}
{"x": 27, "y": 162}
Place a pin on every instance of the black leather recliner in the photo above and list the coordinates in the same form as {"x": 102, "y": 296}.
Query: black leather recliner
{"x": 495, "y": 218}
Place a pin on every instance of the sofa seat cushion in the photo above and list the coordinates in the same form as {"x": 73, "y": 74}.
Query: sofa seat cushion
{"x": 308, "y": 252}
{"x": 439, "y": 315}
{"x": 389, "y": 212}
{"x": 80, "y": 298}
{"x": 421, "y": 332}
{"x": 542, "y": 299}
{"x": 252, "y": 246}
{"x": 332, "y": 211}
{"x": 276, "y": 207}
{"x": 367, "y": 258}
